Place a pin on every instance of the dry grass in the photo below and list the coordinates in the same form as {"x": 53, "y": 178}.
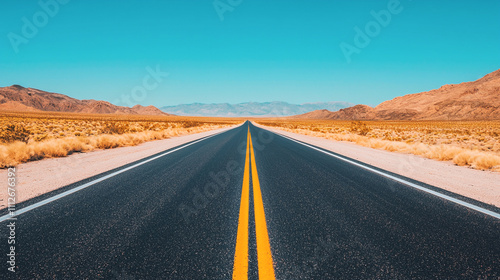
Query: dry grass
{"x": 33, "y": 136}
{"x": 474, "y": 143}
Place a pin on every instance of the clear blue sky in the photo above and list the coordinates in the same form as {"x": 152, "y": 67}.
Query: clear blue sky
{"x": 260, "y": 51}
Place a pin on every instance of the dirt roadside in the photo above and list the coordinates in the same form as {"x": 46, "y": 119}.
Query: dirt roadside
{"x": 38, "y": 177}
{"x": 476, "y": 184}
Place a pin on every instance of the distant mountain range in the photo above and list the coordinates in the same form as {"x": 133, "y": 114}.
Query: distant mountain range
{"x": 478, "y": 100}
{"x": 18, "y": 98}
{"x": 251, "y": 109}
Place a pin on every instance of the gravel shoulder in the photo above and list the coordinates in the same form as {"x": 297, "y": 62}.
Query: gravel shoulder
{"x": 480, "y": 185}
{"x": 39, "y": 177}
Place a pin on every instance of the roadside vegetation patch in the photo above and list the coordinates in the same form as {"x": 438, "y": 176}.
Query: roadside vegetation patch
{"x": 465, "y": 143}
{"x": 32, "y": 136}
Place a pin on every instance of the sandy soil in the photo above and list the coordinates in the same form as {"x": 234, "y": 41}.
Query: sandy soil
{"x": 480, "y": 185}
{"x": 39, "y": 177}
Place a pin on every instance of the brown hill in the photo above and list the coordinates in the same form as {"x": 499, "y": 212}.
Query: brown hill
{"x": 316, "y": 114}
{"x": 357, "y": 112}
{"x": 16, "y": 106}
{"x": 478, "y": 100}
{"x": 18, "y": 98}
{"x": 148, "y": 110}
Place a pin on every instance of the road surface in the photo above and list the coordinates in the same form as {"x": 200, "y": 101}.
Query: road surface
{"x": 270, "y": 208}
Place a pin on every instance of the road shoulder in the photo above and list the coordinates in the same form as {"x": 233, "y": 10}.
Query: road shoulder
{"x": 480, "y": 185}
{"x": 39, "y": 177}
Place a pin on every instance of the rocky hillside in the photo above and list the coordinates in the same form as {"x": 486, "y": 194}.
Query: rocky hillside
{"x": 478, "y": 100}
{"x": 18, "y": 98}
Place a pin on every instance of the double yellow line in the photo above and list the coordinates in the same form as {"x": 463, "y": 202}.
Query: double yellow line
{"x": 264, "y": 256}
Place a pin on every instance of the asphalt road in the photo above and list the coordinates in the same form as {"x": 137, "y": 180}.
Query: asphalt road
{"x": 188, "y": 215}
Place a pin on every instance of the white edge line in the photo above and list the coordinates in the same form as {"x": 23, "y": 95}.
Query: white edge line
{"x": 86, "y": 185}
{"x": 438, "y": 194}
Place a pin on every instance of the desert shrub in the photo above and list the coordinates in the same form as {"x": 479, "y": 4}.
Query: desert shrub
{"x": 115, "y": 128}
{"x": 13, "y": 132}
{"x": 360, "y": 128}
{"x": 40, "y": 137}
{"x": 190, "y": 124}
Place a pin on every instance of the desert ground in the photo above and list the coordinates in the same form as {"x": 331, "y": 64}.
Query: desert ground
{"x": 30, "y": 136}
{"x": 465, "y": 143}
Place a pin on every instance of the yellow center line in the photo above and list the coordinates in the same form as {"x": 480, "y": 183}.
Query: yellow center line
{"x": 240, "y": 267}
{"x": 264, "y": 255}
